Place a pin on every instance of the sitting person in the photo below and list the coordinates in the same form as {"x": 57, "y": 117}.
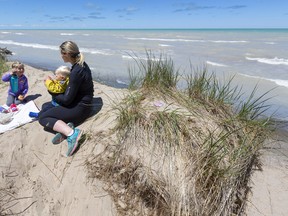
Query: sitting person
{"x": 59, "y": 84}
{"x": 16, "y": 94}
{"x": 75, "y": 103}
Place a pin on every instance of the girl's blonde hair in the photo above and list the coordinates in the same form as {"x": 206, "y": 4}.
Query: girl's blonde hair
{"x": 63, "y": 70}
{"x": 17, "y": 64}
{"x": 72, "y": 49}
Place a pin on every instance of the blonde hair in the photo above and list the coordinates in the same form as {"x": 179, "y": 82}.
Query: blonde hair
{"x": 63, "y": 70}
{"x": 72, "y": 49}
{"x": 17, "y": 64}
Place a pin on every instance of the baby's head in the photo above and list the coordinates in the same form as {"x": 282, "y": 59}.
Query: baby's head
{"x": 62, "y": 73}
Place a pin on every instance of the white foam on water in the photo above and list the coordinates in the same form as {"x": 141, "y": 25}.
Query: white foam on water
{"x": 216, "y": 64}
{"x": 272, "y": 61}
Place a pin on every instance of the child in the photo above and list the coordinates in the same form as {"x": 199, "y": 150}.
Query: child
{"x": 18, "y": 96}
{"x": 57, "y": 85}
{"x": 60, "y": 83}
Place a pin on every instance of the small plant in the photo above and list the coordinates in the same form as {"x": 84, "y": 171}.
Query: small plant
{"x": 206, "y": 87}
{"x": 154, "y": 72}
{"x": 3, "y": 59}
{"x": 253, "y": 108}
{"x": 129, "y": 111}
{"x": 3, "y": 67}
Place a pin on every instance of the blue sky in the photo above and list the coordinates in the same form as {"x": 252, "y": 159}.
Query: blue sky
{"x": 51, "y": 14}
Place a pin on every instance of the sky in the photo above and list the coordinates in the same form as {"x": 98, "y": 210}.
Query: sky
{"x": 146, "y": 14}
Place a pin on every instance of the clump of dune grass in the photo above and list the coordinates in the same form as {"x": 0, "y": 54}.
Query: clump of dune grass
{"x": 3, "y": 66}
{"x": 191, "y": 156}
{"x": 3, "y": 59}
{"x": 205, "y": 87}
{"x": 154, "y": 73}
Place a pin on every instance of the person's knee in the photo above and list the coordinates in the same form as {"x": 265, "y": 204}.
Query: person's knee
{"x": 40, "y": 120}
{"x": 10, "y": 100}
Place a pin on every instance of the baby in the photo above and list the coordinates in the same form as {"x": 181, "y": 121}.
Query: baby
{"x": 59, "y": 84}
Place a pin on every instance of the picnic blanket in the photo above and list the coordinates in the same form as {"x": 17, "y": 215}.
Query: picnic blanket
{"x": 16, "y": 119}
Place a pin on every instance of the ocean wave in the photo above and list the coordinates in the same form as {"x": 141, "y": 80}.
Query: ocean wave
{"x": 279, "y": 82}
{"x": 19, "y": 33}
{"x": 272, "y": 43}
{"x": 121, "y": 82}
{"x": 96, "y": 51}
{"x": 6, "y": 32}
{"x": 139, "y": 58}
{"x": 164, "y": 45}
{"x": 67, "y": 34}
{"x": 43, "y": 46}
{"x": 216, "y": 64}
{"x": 33, "y": 45}
{"x": 165, "y": 39}
{"x": 185, "y": 40}
{"x": 127, "y": 57}
{"x": 221, "y": 41}
{"x": 272, "y": 61}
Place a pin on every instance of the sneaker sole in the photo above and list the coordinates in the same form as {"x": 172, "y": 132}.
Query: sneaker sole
{"x": 77, "y": 143}
{"x": 58, "y": 138}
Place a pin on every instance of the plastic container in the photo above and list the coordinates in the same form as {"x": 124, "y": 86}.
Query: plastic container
{"x": 33, "y": 114}
{"x": 14, "y": 83}
{"x": 13, "y": 107}
{"x": 2, "y": 110}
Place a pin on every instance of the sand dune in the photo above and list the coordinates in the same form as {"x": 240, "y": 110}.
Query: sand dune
{"x": 38, "y": 179}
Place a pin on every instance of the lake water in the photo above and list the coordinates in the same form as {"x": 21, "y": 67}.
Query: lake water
{"x": 254, "y": 57}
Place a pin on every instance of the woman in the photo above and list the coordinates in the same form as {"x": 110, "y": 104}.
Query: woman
{"x": 75, "y": 104}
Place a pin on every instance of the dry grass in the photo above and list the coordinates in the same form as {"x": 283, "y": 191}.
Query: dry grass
{"x": 10, "y": 199}
{"x": 192, "y": 156}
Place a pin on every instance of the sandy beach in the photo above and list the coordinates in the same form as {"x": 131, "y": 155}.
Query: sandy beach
{"x": 270, "y": 186}
{"x": 38, "y": 179}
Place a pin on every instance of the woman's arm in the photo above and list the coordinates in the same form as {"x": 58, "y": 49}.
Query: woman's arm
{"x": 71, "y": 91}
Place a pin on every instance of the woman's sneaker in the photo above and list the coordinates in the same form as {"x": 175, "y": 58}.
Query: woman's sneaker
{"x": 73, "y": 141}
{"x": 58, "y": 138}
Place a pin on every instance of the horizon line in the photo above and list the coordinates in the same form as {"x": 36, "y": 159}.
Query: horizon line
{"x": 144, "y": 28}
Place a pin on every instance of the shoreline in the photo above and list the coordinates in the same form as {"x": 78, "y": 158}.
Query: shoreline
{"x": 282, "y": 122}
{"x": 269, "y": 185}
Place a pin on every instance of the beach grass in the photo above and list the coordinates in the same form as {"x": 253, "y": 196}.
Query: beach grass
{"x": 153, "y": 72}
{"x": 3, "y": 60}
{"x": 3, "y": 67}
{"x": 181, "y": 151}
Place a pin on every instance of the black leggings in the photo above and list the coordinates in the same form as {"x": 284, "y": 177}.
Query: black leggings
{"x": 49, "y": 114}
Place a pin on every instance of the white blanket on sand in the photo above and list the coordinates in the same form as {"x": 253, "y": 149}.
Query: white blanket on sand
{"x": 19, "y": 117}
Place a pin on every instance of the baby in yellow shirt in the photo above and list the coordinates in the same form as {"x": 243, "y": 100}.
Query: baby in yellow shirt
{"x": 59, "y": 84}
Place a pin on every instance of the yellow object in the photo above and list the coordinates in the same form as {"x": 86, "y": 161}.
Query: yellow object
{"x": 20, "y": 97}
{"x": 57, "y": 86}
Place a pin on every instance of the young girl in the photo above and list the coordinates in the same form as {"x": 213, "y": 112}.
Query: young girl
{"x": 18, "y": 96}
